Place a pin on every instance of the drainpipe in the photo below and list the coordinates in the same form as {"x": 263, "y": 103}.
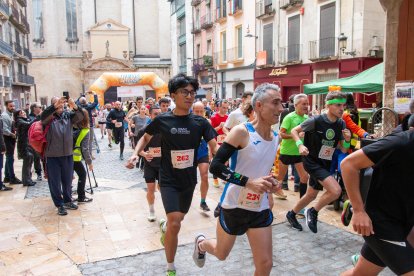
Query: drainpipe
{"x": 94, "y": 7}
{"x": 133, "y": 27}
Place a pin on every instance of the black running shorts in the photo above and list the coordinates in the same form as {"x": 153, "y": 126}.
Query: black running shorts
{"x": 400, "y": 259}
{"x": 237, "y": 221}
{"x": 316, "y": 172}
{"x": 176, "y": 199}
{"x": 203, "y": 160}
{"x": 109, "y": 126}
{"x": 151, "y": 174}
{"x": 290, "y": 159}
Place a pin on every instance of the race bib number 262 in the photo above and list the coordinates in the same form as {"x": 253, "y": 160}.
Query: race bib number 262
{"x": 182, "y": 159}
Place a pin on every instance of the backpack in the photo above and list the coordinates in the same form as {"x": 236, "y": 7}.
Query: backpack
{"x": 37, "y": 136}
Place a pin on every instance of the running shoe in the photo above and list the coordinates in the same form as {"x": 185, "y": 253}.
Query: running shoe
{"x": 204, "y": 207}
{"x": 121, "y": 156}
{"x": 110, "y": 145}
{"x": 280, "y": 195}
{"x": 198, "y": 256}
{"x": 301, "y": 213}
{"x": 311, "y": 219}
{"x": 151, "y": 217}
{"x": 216, "y": 183}
{"x": 62, "y": 211}
{"x": 5, "y": 188}
{"x": 170, "y": 273}
{"x": 354, "y": 259}
{"x": 70, "y": 206}
{"x": 39, "y": 177}
{"x": 346, "y": 213}
{"x": 162, "y": 224}
{"x": 293, "y": 221}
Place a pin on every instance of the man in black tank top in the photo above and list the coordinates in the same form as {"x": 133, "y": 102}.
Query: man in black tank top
{"x": 323, "y": 134}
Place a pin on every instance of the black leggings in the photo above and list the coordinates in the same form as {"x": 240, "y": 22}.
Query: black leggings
{"x": 119, "y": 135}
{"x": 81, "y": 172}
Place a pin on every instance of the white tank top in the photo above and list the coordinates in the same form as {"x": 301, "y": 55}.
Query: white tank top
{"x": 253, "y": 161}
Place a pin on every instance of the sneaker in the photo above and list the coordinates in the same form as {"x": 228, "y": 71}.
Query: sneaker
{"x": 121, "y": 156}
{"x": 204, "y": 207}
{"x": 311, "y": 219}
{"x": 5, "y": 188}
{"x": 280, "y": 195}
{"x": 39, "y": 177}
{"x": 293, "y": 221}
{"x": 84, "y": 200}
{"x": 354, "y": 259}
{"x": 62, "y": 211}
{"x": 162, "y": 223}
{"x": 285, "y": 186}
{"x": 6, "y": 180}
{"x": 346, "y": 213}
{"x": 31, "y": 183}
{"x": 216, "y": 183}
{"x": 296, "y": 188}
{"x": 301, "y": 214}
{"x": 110, "y": 145}
{"x": 70, "y": 206}
{"x": 198, "y": 256}
{"x": 151, "y": 217}
{"x": 170, "y": 273}
{"x": 15, "y": 181}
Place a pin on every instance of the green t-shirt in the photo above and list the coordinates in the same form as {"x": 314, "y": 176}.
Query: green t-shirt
{"x": 288, "y": 146}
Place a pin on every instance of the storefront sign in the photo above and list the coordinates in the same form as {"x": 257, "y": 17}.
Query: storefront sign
{"x": 404, "y": 93}
{"x": 130, "y": 91}
{"x": 279, "y": 71}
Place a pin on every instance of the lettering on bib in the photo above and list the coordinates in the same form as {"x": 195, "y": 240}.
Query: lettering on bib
{"x": 326, "y": 152}
{"x": 155, "y": 152}
{"x": 250, "y": 199}
{"x": 182, "y": 159}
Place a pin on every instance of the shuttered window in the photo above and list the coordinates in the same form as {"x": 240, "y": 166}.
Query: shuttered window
{"x": 268, "y": 42}
{"x": 293, "y": 38}
{"x": 327, "y": 30}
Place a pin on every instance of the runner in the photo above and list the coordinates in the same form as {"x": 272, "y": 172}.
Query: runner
{"x": 323, "y": 134}
{"x": 117, "y": 118}
{"x": 217, "y": 121}
{"x": 109, "y": 125}
{"x": 181, "y": 133}
{"x": 236, "y": 117}
{"x": 152, "y": 157}
{"x": 202, "y": 160}
{"x": 102, "y": 120}
{"x": 245, "y": 205}
{"x": 386, "y": 222}
{"x": 289, "y": 153}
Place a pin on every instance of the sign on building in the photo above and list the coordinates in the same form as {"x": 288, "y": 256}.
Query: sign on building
{"x": 130, "y": 91}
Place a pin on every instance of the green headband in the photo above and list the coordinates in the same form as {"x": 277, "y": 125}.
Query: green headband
{"x": 336, "y": 101}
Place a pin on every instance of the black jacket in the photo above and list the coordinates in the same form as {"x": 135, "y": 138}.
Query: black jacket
{"x": 22, "y": 133}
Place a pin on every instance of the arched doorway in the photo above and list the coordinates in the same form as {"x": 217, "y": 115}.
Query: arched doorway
{"x": 239, "y": 89}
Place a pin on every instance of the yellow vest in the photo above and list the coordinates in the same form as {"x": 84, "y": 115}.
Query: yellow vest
{"x": 77, "y": 152}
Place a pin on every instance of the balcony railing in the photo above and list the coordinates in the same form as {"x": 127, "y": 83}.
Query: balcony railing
{"x": 291, "y": 54}
{"x": 181, "y": 39}
{"x": 4, "y": 9}
{"x": 27, "y": 53}
{"x": 206, "y": 21}
{"x": 196, "y": 27}
{"x": 7, "y": 81}
{"x": 236, "y": 6}
{"x": 195, "y": 2}
{"x": 323, "y": 49}
{"x": 264, "y": 8}
{"x": 25, "y": 79}
{"x": 6, "y": 49}
{"x": 220, "y": 57}
{"x": 206, "y": 79}
{"x": 24, "y": 23}
{"x": 235, "y": 54}
{"x": 183, "y": 69}
{"x": 23, "y": 3}
{"x": 221, "y": 14}
{"x": 203, "y": 62}
{"x": 18, "y": 49}
{"x": 15, "y": 14}
{"x": 287, "y": 4}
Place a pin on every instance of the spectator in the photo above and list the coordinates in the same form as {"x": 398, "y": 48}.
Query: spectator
{"x": 27, "y": 109}
{"x": 9, "y": 135}
{"x": 164, "y": 104}
{"x": 208, "y": 111}
{"x": 24, "y": 151}
{"x": 59, "y": 150}
{"x": 2, "y": 151}
{"x": 236, "y": 117}
{"x": 35, "y": 110}
{"x": 82, "y": 102}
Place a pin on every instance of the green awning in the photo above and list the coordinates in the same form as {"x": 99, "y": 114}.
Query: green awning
{"x": 370, "y": 80}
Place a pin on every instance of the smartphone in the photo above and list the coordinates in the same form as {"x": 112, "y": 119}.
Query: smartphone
{"x": 66, "y": 95}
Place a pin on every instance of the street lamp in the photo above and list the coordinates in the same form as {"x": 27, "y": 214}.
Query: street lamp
{"x": 248, "y": 34}
{"x": 342, "y": 40}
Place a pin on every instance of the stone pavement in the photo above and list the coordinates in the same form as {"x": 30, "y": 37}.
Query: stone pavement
{"x": 35, "y": 241}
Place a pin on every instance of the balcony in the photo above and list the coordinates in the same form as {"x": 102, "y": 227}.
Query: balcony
{"x": 196, "y": 27}
{"x": 323, "y": 49}
{"x": 206, "y": 79}
{"x": 18, "y": 49}
{"x": 6, "y": 49}
{"x": 180, "y": 12}
{"x": 236, "y": 7}
{"x": 292, "y": 54}
{"x": 289, "y": 4}
{"x": 195, "y": 2}
{"x": 235, "y": 55}
{"x": 183, "y": 69}
{"x": 4, "y": 10}
{"x": 7, "y": 81}
{"x": 181, "y": 39}
{"x": 27, "y": 54}
{"x": 220, "y": 58}
{"x": 23, "y": 3}
{"x": 221, "y": 15}
{"x": 206, "y": 21}
{"x": 201, "y": 64}
{"x": 21, "y": 79}
{"x": 264, "y": 9}
{"x": 25, "y": 27}
{"x": 15, "y": 18}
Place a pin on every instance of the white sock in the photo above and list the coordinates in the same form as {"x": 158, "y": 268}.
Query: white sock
{"x": 170, "y": 266}
{"x": 151, "y": 209}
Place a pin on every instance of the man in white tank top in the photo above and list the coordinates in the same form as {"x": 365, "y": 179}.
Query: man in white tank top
{"x": 246, "y": 202}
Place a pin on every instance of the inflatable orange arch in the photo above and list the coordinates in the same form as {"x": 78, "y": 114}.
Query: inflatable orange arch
{"x": 106, "y": 80}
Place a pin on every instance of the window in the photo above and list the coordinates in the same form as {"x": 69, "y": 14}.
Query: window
{"x": 223, "y": 47}
{"x": 327, "y": 30}
{"x": 197, "y": 19}
{"x": 1, "y": 32}
{"x": 17, "y": 35}
{"x": 293, "y": 47}
{"x": 268, "y": 42}
{"x": 239, "y": 39}
{"x": 181, "y": 23}
{"x": 183, "y": 54}
{"x": 198, "y": 53}
{"x": 221, "y": 8}
{"x": 71, "y": 22}
{"x": 38, "y": 22}
{"x": 209, "y": 47}
{"x": 208, "y": 13}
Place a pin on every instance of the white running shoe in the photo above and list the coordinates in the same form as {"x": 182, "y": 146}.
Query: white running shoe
{"x": 198, "y": 256}
{"x": 151, "y": 217}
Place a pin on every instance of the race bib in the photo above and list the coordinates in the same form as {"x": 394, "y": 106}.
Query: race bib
{"x": 182, "y": 159}
{"x": 220, "y": 138}
{"x": 155, "y": 152}
{"x": 250, "y": 199}
{"x": 326, "y": 152}
{"x": 118, "y": 124}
